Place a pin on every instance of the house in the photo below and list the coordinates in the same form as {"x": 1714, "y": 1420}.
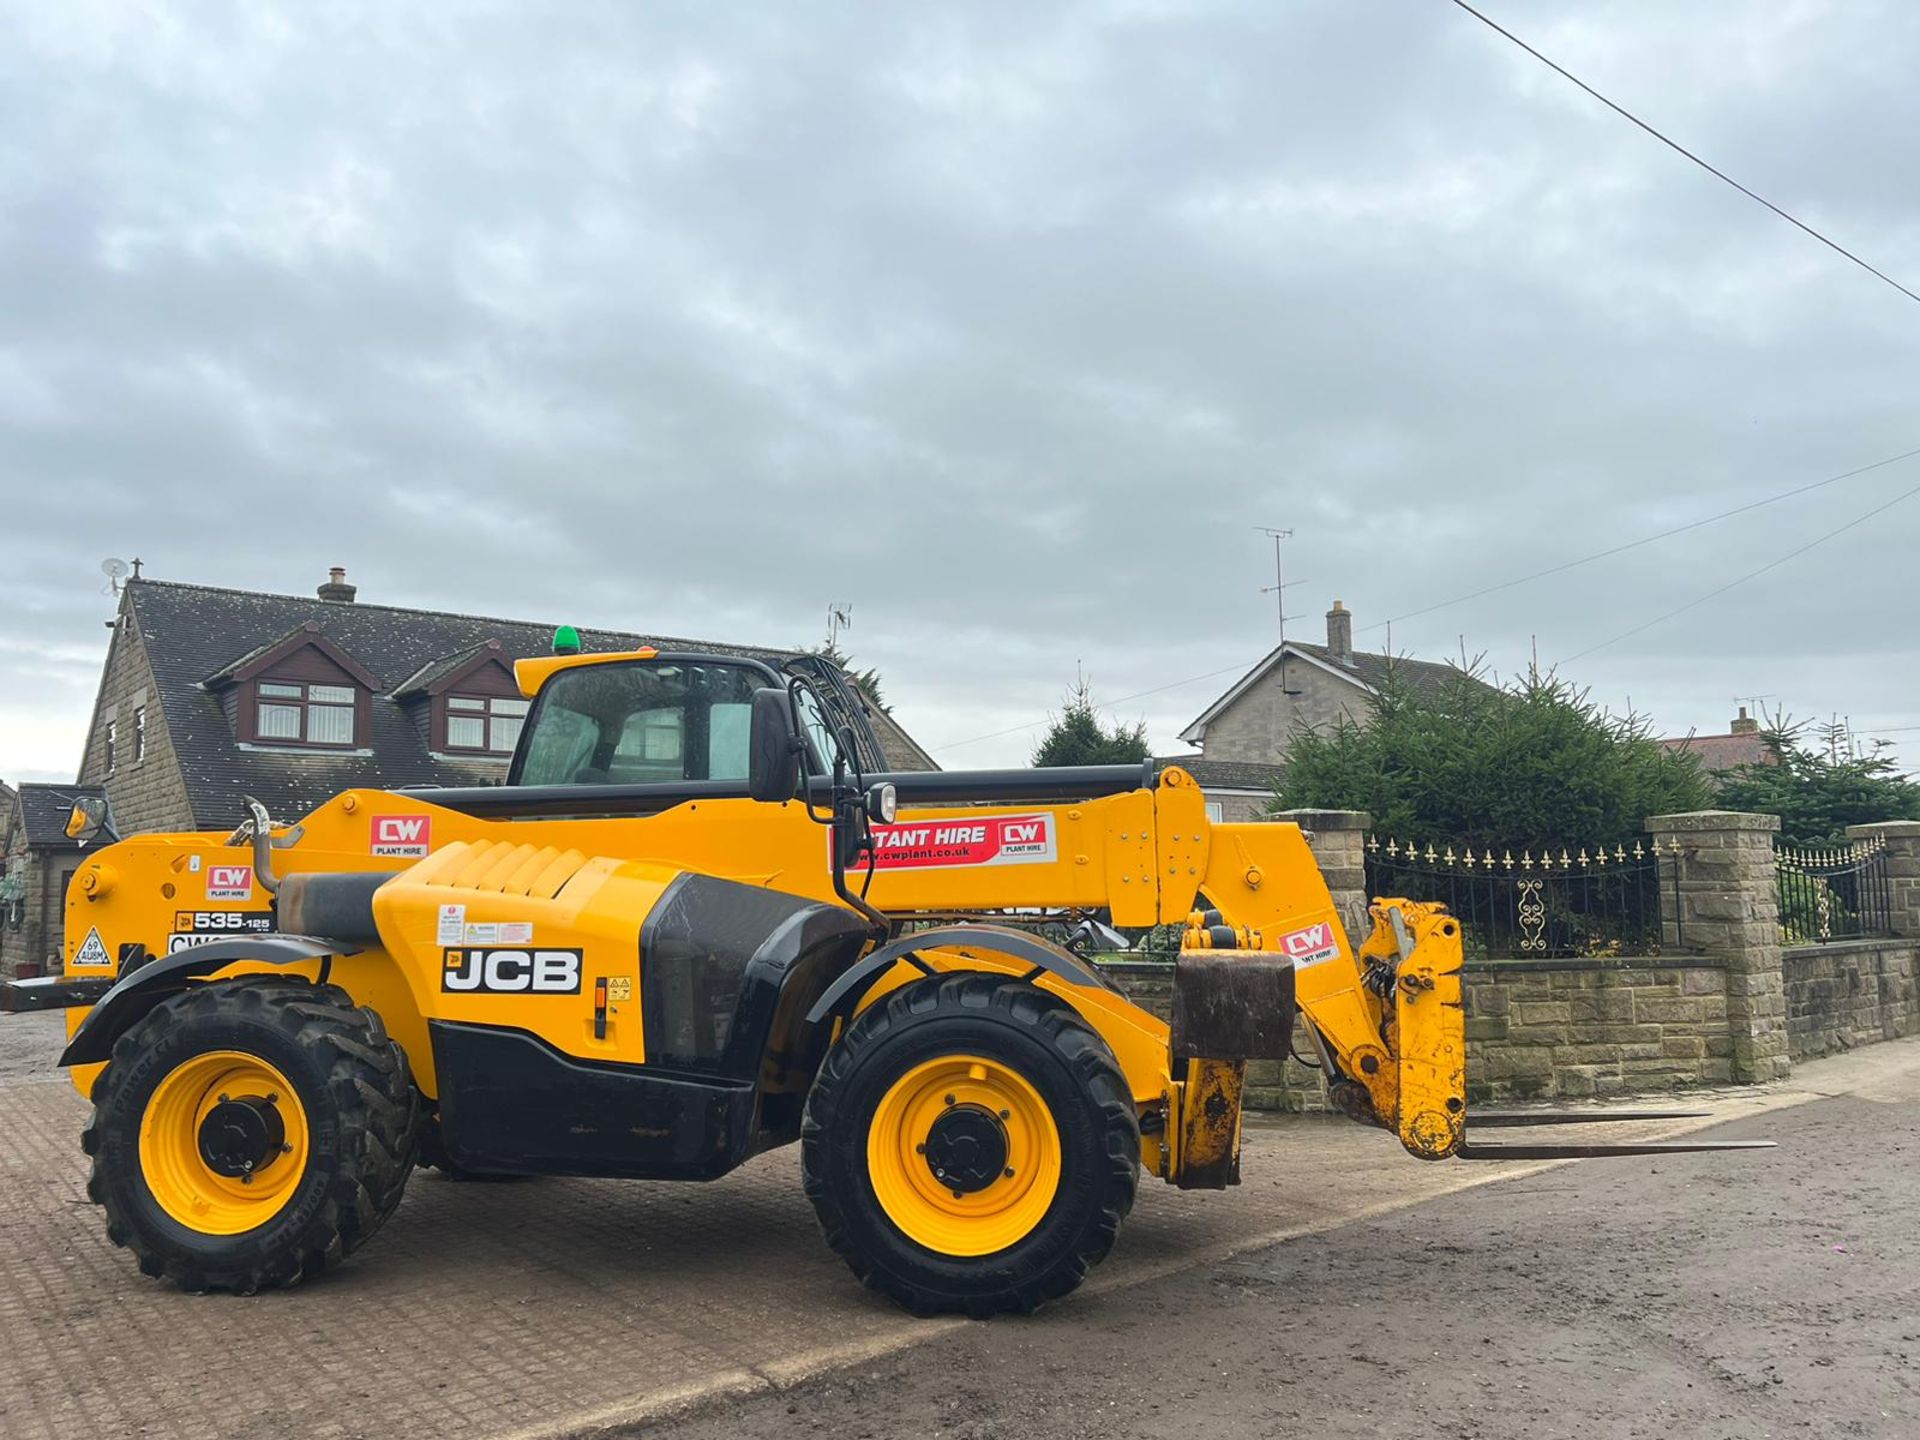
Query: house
{"x": 1236, "y": 790}
{"x": 209, "y": 695}
{"x": 1299, "y": 686}
{"x": 36, "y": 862}
{"x": 1743, "y": 744}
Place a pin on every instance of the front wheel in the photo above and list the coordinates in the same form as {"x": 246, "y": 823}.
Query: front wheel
{"x": 250, "y": 1133}
{"x": 970, "y": 1145}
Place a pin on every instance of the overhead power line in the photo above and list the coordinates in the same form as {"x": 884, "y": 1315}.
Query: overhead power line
{"x": 1750, "y": 575}
{"x": 1644, "y": 540}
{"x": 1681, "y": 149}
{"x": 1542, "y": 574}
{"x": 1554, "y": 570}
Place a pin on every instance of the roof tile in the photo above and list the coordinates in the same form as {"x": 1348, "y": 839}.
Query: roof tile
{"x": 195, "y": 631}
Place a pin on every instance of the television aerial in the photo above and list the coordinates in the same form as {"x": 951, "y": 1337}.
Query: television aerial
{"x": 839, "y": 617}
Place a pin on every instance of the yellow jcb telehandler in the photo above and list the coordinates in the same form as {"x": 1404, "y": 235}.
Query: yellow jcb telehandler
{"x": 697, "y": 923}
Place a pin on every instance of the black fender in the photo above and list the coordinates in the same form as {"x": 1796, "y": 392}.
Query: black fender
{"x": 134, "y": 994}
{"x": 1043, "y": 955}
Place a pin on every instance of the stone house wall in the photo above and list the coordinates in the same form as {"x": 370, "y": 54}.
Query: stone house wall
{"x": 37, "y": 939}
{"x": 148, "y": 793}
{"x": 1239, "y": 806}
{"x": 1260, "y": 724}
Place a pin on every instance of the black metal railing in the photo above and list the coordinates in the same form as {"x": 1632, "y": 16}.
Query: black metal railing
{"x": 1833, "y": 893}
{"x": 1560, "y": 903}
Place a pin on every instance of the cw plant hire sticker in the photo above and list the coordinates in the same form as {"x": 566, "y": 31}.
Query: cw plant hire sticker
{"x": 1311, "y": 945}
{"x": 404, "y": 836}
{"x": 230, "y": 882}
{"x": 978, "y": 840}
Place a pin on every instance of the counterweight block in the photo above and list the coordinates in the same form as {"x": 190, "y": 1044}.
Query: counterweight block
{"x": 1232, "y": 1005}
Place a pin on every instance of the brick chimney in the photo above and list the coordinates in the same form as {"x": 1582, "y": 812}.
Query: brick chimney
{"x": 1340, "y": 633}
{"x": 337, "y": 588}
{"x": 1743, "y": 724}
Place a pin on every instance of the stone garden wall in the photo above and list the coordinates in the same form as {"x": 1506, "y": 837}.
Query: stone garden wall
{"x": 1723, "y": 1002}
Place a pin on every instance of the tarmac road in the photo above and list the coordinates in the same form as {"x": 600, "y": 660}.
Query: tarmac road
{"x": 1740, "y": 1296}
{"x": 1598, "y": 1299}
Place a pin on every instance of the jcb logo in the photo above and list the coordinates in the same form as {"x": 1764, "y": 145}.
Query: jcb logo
{"x": 489, "y": 971}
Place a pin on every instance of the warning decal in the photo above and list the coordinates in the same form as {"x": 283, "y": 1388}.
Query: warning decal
{"x": 92, "y": 953}
{"x": 984, "y": 840}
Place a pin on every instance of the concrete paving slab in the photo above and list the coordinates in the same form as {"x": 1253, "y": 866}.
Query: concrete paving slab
{"x": 555, "y": 1307}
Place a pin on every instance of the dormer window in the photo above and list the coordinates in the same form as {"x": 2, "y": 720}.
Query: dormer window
{"x": 466, "y": 704}
{"x": 299, "y": 713}
{"x": 484, "y": 724}
{"x": 301, "y": 690}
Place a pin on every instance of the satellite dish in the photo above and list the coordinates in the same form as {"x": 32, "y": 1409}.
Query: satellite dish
{"x": 115, "y": 571}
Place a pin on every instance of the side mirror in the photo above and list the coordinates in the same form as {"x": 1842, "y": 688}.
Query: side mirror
{"x": 773, "y": 751}
{"x": 87, "y": 818}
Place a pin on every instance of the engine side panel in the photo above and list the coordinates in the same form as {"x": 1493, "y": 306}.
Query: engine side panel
{"x": 512, "y": 1104}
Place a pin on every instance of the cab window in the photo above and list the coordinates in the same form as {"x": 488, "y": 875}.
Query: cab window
{"x": 818, "y": 729}
{"x": 640, "y": 722}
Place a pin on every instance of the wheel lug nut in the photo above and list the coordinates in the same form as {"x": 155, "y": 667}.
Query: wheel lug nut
{"x": 919, "y": 1149}
{"x": 273, "y": 1097}
{"x": 949, "y": 1099}
{"x": 1009, "y": 1172}
{"x": 223, "y": 1099}
{"x": 1006, "y": 1114}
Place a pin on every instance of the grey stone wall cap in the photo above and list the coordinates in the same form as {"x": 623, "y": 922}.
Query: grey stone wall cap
{"x": 1877, "y": 945}
{"x": 1887, "y": 828}
{"x": 1713, "y": 820}
{"x": 1328, "y": 819}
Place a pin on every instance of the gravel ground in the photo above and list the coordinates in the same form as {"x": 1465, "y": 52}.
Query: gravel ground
{"x": 30, "y": 1043}
{"x": 1758, "y": 1295}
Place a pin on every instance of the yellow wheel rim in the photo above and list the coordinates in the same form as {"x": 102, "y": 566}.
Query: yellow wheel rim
{"x": 964, "y": 1108}
{"x": 187, "y": 1149}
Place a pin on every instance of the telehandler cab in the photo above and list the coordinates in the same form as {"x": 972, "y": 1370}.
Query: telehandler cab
{"x": 696, "y": 924}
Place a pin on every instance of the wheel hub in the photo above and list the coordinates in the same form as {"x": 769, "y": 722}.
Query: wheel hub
{"x": 967, "y": 1148}
{"x": 242, "y": 1136}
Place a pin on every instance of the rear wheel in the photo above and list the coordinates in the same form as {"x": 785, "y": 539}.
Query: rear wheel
{"x": 250, "y": 1133}
{"x": 970, "y": 1145}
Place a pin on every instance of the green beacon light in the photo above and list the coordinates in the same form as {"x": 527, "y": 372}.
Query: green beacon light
{"x": 566, "y": 641}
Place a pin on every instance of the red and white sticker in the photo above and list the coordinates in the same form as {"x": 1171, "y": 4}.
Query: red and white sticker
{"x": 1311, "y": 945}
{"x": 406, "y": 836}
{"x": 230, "y": 882}
{"x": 983, "y": 840}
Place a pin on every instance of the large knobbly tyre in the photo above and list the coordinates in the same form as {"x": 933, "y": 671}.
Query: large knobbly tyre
{"x": 251, "y": 1133}
{"x": 970, "y": 1145}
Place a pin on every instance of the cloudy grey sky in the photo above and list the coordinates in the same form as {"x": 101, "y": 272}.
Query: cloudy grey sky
{"x": 1005, "y": 323}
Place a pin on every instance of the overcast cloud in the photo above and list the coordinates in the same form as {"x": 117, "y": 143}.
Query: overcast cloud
{"x": 1005, "y": 323}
